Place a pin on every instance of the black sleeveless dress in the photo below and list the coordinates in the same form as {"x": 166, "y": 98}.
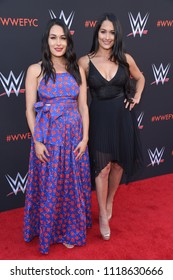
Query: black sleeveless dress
{"x": 113, "y": 133}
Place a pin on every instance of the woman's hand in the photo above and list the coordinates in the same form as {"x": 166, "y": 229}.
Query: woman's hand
{"x": 80, "y": 149}
{"x": 131, "y": 102}
{"x": 41, "y": 151}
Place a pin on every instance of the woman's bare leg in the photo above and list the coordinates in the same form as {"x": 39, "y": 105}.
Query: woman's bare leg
{"x": 114, "y": 181}
{"x": 102, "y": 193}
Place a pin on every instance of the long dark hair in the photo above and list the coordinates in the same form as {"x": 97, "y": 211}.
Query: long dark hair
{"x": 47, "y": 68}
{"x": 117, "y": 54}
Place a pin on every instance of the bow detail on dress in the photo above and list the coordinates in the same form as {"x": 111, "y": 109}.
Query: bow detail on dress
{"x": 49, "y": 127}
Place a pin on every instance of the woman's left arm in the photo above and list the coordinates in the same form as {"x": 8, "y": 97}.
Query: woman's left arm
{"x": 83, "y": 109}
{"x": 140, "y": 81}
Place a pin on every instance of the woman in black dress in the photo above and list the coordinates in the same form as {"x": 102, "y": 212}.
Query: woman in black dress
{"x": 114, "y": 143}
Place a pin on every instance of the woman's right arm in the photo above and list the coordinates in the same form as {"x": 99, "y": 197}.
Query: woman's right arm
{"x": 31, "y": 85}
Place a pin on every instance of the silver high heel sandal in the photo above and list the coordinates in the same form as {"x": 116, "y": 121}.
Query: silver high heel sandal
{"x": 105, "y": 234}
{"x": 69, "y": 246}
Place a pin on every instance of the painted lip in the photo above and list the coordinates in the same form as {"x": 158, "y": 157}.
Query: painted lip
{"x": 107, "y": 42}
{"x": 58, "y": 49}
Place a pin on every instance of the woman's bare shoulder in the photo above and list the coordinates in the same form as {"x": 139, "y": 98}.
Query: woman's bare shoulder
{"x": 34, "y": 69}
{"x": 83, "y": 61}
{"x": 129, "y": 58}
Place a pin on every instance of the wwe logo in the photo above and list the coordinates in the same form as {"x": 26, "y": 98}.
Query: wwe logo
{"x": 67, "y": 21}
{"x": 17, "y": 184}
{"x": 156, "y": 156}
{"x": 139, "y": 120}
{"x": 160, "y": 73}
{"x": 138, "y": 24}
{"x": 12, "y": 84}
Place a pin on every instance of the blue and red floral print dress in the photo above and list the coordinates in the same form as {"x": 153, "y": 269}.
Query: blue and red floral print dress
{"x": 58, "y": 194}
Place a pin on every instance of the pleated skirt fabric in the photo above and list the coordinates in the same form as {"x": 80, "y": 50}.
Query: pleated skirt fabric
{"x": 114, "y": 137}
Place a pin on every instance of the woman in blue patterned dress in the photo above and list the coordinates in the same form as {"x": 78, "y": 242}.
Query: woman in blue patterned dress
{"x": 58, "y": 194}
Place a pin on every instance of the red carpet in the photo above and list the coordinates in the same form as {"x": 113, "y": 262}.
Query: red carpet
{"x": 142, "y": 228}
